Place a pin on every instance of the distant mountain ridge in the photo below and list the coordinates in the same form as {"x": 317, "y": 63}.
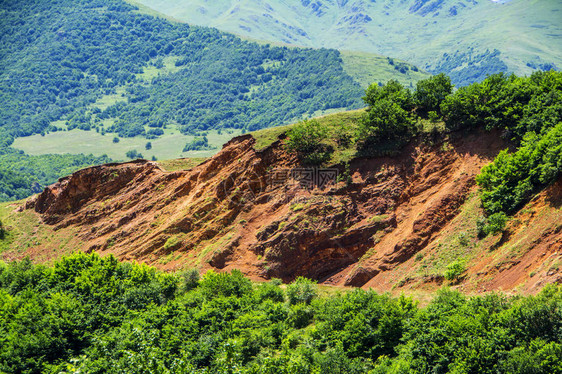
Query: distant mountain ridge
{"x": 466, "y": 39}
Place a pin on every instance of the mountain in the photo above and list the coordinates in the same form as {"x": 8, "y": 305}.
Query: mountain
{"x": 398, "y": 224}
{"x": 80, "y": 75}
{"x": 466, "y": 39}
{"x": 442, "y": 202}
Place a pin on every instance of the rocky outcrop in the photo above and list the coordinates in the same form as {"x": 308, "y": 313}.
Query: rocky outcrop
{"x": 233, "y": 212}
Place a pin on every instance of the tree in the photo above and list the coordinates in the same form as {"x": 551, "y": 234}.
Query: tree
{"x": 431, "y": 92}
{"x": 133, "y": 154}
{"x": 393, "y": 91}
{"x": 148, "y": 146}
{"x": 115, "y": 139}
{"x": 384, "y": 128}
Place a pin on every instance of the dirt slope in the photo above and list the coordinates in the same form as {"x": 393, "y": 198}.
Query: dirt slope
{"x": 397, "y": 224}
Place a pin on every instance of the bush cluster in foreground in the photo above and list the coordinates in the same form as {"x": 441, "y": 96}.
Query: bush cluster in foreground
{"x": 90, "y": 314}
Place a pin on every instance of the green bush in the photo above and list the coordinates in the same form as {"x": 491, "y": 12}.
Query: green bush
{"x": 96, "y": 315}
{"x": 306, "y": 140}
{"x": 392, "y": 91}
{"x": 384, "y": 129}
{"x": 454, "y": 271}
{"x": 513, "y": 178}
{"x": 189, "y": 279}
{"x": 302, "y": 290}
{"x": 134, "y": 154}
{"x": 431, "y": 92}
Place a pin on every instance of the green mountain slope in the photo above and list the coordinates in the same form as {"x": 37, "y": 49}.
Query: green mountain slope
{"x": 102, "y": 65}
{"x": 118, "y": 71}
{"x": 465, "y": 38}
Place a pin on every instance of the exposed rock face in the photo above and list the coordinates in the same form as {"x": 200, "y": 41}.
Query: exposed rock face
{"x": 227, "y": 213}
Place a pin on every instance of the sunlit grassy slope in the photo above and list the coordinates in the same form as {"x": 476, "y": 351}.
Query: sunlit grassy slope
{"x": 528, "y": 33}
{"x": 168, "y": 146}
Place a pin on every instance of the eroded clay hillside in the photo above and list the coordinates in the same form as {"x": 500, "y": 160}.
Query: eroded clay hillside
{"x": 396, "y": 222}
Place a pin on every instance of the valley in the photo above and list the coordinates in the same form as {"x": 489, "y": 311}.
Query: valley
{"x": 105, "y": 79}
{"x": 280, "y": 187}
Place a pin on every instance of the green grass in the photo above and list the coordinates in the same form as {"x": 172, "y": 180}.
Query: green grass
{"x": 334, "y": 122}
{"x": 105, "y": 101}
{"x": 168, "y": 146}
{"x": 181, "y": 163}
{"x": 151, "y": 71}
{"x": 367, "y": 68}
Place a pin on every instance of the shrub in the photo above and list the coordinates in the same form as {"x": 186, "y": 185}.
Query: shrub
{"x": 513, "y": 178}
{"x": 305, "y": 139}
{"x": 133, "y": 154}
{"x": 392, "y": 91}
{"x": 495, "y": 223}
{"x": 384, "y": 128}
{"x": 300, "y": 315}
{"x": 224, "y": 284}
{"x": 302, "y": 290}
{"x": 454, "y": 271}
{"x": 189, "y": 279}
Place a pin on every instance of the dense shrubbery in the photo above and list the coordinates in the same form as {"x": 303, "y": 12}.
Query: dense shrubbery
{"x": 528, "y": 111}
{"x": 96, "y": 315}
{"x": 198, "y": 144}
{"x": 431, "y": 92}
{"x": 22, "y": 175}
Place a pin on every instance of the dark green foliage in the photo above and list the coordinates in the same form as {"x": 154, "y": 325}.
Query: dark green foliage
{"x": 2, "y": 231}
{"x": 22, "y": 175}
{"x": 198, "y": 144}
{"x": 392, "y": 91}
{"x": 529, "y": 111}
{"x": 513, "y": 178}
{"x": 301, "y": 291}
{"x": 366, "y": 324}
{"x": 431, "y": 92}
{"x": 515, "y": 104}
{"x": 51, "y": 314}
{"x": 133, "y": 154}
{"x": 95, "y": 315}
{"x": 306, "y": 140}
{"x": 384, "y": 129}
{"x": 387, "y": 125}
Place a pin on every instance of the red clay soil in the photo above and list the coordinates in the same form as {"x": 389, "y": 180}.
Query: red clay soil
{"x": 225, "y": 213}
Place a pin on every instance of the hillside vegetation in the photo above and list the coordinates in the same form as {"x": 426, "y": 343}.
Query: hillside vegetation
{"x": 98, "y": 315}
{"x": 465, "y": 39}
{"x": 102, "y": 66}
{"x": 63, "y": 57}
{"x": 528, "y": 110}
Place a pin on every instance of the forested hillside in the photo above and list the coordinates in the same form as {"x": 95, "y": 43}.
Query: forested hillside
{"x": 92, "y": 315}
{"x": 465, "y": 39}
{"x": 101, "y": 66}
{"x": 59, "y": 58}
